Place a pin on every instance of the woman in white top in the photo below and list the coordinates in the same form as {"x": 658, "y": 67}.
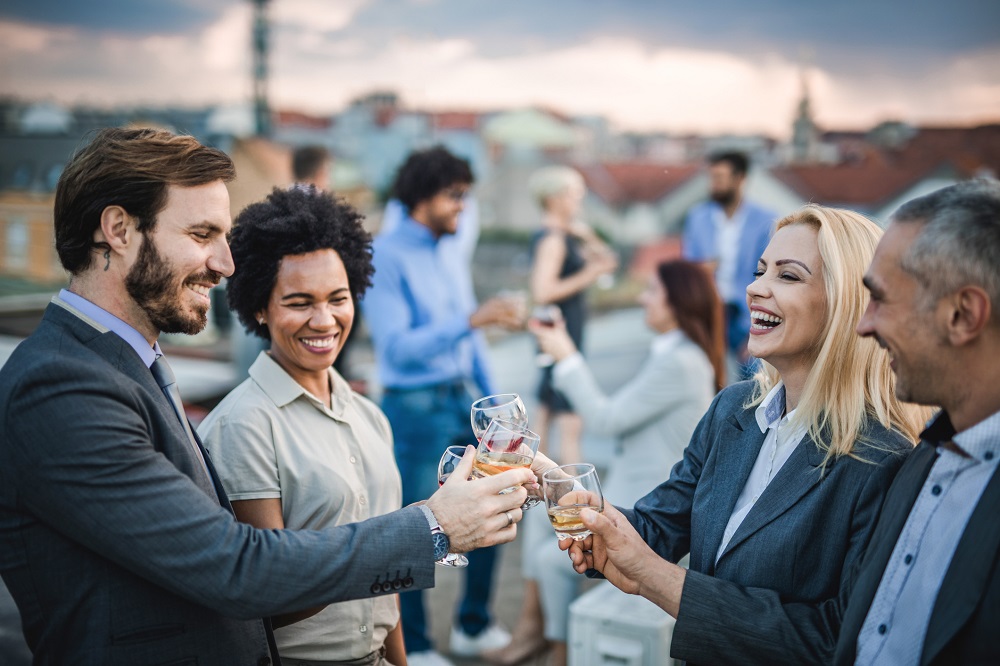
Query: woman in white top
{"x": 781, "y": 485}
{"x": 294, "y": 446}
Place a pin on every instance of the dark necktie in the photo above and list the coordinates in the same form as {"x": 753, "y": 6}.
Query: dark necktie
{"x": 164, "y": 376}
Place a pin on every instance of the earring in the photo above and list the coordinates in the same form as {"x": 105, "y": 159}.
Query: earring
{"x": 260, "y": 320}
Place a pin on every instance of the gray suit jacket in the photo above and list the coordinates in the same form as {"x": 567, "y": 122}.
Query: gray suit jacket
{"x": 799, "y": 541}
{"x": 117, "y": 546}
{"x": 653, "y": 416}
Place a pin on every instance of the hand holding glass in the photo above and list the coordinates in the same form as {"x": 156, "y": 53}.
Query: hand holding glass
{"x": 568, "y": 489}
{"x": 449, "y": 461}
{"x": 506, "y": 445}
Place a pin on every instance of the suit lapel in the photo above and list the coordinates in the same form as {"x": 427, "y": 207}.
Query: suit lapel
{"x": 120, "y": 355}
{"x": 795, "y": 478}
{"x": 967, "y": 575}
{"x": 895, "y": 511}
{"x": 739, "y": 442}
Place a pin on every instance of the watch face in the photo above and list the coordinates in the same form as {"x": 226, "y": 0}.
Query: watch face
{"x": 441, "y": 545}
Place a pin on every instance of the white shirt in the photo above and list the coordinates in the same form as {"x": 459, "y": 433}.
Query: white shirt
{"x": 661, "y": 344}
{"x": 896, "y": 625}
{"x": 779, "y": 442}
{"x": 727, "y": 238}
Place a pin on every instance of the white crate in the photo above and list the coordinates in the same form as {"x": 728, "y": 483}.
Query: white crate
{"x": 610, "y": 628}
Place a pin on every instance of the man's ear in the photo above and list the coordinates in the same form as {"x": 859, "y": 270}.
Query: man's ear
{"x": 970, "y": 312}
{"x": 116, "y": 230}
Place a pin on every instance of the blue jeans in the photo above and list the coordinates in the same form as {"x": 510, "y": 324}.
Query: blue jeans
{"x": 424, "y": 422}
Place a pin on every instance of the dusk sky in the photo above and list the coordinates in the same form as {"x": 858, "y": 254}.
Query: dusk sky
{"x": 711, "y": 66}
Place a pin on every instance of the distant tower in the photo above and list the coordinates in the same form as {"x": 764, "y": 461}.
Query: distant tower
{"x": 261, "y": 109}
{"x": 805, "y": 134}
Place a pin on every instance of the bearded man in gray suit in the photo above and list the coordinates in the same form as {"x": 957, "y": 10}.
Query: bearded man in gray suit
{"x": 116, "y": 539}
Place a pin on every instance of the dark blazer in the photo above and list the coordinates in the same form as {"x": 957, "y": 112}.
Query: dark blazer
{"x": 800, "y": 539}
{"x": 118, "y": 547}
{"x": 963, "y": 624}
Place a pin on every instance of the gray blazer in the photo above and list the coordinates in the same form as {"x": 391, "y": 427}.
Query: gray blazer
{"x": 118, "y": 547}
{"x": 653, "y": 416}
{"x": 800, "y": 539}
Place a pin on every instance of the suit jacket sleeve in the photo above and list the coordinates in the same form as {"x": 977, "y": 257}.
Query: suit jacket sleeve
{"x": 83, "y": 445}
{"x": 722, "y": 623}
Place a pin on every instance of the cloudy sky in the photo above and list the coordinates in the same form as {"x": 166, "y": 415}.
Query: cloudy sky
{"x": 675, "y": 65}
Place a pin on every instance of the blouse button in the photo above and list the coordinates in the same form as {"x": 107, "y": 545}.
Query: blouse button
{"x": 353, "y": 459}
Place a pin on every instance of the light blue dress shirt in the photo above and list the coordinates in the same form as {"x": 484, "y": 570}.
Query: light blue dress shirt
{"x": 896, "y": 624}
{"x": 418, "y": 310}
{"x": 133, "y": 337}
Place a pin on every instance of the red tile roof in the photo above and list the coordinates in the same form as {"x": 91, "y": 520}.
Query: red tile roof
{"x": 299, "y": 119}
{"x": 650, "y": 255}
{"x": 873, "y": 176}
{"x": 627, "y": 182}
{"x": 455, "y": 120}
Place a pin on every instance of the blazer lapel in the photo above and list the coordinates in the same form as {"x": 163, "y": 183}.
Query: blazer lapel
{"x": 123, "y": 358}
{"x": 795, "y": 478}
{"x": 739, "y": 442}
{"x": 968, "y": 573}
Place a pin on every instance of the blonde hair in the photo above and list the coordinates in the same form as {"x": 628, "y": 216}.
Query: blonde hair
{"x": 551, "y": 181}
{"x": 850, "y": 379}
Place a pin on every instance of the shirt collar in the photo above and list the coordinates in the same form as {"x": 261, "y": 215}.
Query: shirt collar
{"x": 416, "y": 232}
{"x": 279, "y": 386}
{"x": 665, "y": 342}
{"x": 981, "y": 441}
{"x": 769, "y": 411}
{"x": 103, "y": 320}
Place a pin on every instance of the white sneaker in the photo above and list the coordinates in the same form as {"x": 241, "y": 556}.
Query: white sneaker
{"x": 493, "y": 637}
{"x": 427, "y": 658}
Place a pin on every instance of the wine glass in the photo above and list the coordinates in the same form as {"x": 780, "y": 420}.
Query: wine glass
{"x": 506, "y": 445}
{"x": 449, "y": 461}
{"x": 505, "y": 406}
{"x": 568, "y": 489}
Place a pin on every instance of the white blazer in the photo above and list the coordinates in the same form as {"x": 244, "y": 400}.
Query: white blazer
{"x": 653, "y": 415}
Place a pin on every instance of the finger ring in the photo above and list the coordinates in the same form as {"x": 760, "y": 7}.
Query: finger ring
{"x": 510, "y": 519}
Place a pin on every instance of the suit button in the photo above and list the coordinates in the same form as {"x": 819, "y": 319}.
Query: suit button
{"x": 396, "y": 584}
{"x": 386, "y": 586}
{"x": 407, "y": 582}
{"x": 376, "y": 588}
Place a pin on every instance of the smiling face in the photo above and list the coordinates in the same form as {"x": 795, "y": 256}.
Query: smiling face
{"x": 901, "y": 321}
{"x": 309, "y": 315}
{"x": 440, "y": 212}
{"x": 182, "y": 258}
{"x": 787, "y": 300}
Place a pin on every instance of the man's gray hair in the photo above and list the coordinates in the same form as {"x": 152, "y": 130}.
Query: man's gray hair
{"x": 960, "y": 242}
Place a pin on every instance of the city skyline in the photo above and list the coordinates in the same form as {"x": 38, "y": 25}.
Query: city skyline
{"x": 646, "y": 66}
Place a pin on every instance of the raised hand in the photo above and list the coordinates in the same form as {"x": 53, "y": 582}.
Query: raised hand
{"x": 473, "y": 513}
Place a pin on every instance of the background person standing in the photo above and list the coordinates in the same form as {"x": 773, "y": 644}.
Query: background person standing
{"x": 432, "y": 361}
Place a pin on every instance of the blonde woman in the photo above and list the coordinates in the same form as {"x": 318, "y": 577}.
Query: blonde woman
{"x": 783, "y": 481}
{"x": 567, "y": 258}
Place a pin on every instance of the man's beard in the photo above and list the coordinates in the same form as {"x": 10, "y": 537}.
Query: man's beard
{"x": 724, "y": 198}
{"x": 151, "y": 283}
